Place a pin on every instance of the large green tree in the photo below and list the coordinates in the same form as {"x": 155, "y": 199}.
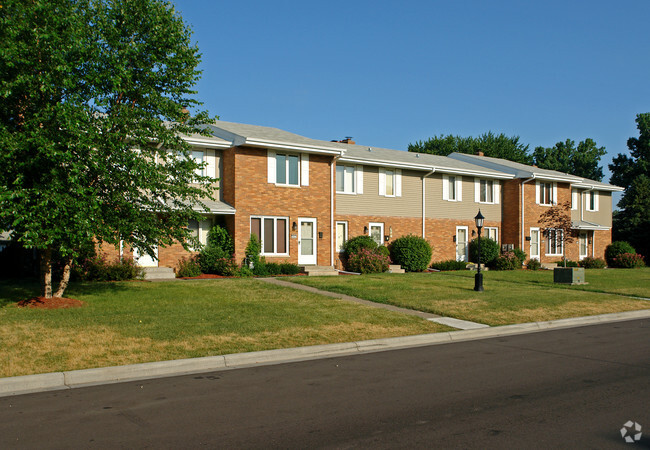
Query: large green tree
{"x": 632, "y": 172}
{"x": 91, "y": 118}
{"x": 497, "y": 146}
{"x": 582, "y": 161}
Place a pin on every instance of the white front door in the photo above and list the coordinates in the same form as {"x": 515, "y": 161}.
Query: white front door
{"x": 583, "y": 240}
{"x": 534, "y": 243}
{"x": 376, "y": 232}
{"x": 144, "y": 260}
{"x": 307, "y": 241}
{"x": 461, "y": 243}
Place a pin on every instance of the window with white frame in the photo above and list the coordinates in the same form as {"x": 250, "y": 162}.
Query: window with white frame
{"x": 287, "y": 169}
{"x": 273, "y": 233}
{"x": 452, "y": 188}
{"x": 345, "y": 179}
{"x": 198, "y": 157}
{"x": 492, "y": 233}
{"x": 486, "y": 191}
{"x": 376, "y": 232}
{"x": 341, "y": 235}
{"x": 592, "y": 201}
{"x": 546, "y": 193}
{"x": 199, "y": 230}
{"x": 390, "y": 182}
{"x": 554, "y": 241}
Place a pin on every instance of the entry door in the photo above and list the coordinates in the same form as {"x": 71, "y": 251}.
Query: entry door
{"x": 461, "y": 243}
{"x": 376, "y": 232}
{"x": 307, "y": 242}
{"x": 534, "y": 243}
{"x": 144, "y": 260}
{"x": 584, "y": 247}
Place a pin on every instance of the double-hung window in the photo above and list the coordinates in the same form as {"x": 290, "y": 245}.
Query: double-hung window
{"x": 272, "y": 233}
{"x": 287, "y": 169}
{"x": 486, "y": 191}
{"x": 592, "y": 201}
{"x": 546, "y": 193}
{"x": 554, "y": 241}
{"x": 345, "y": 179}
{"x": 492, "y": 233}
{"x": 390, "y": 182}
{"x": 452, "y": 188}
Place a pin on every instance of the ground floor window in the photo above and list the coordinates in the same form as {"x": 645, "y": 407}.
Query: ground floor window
{"x": 492, "y": 233}
{"x": 272, "y": 233}
{"x": 554, "y": 241}
{"x": 200, "y": 230}
{"x": 341, "y": 235}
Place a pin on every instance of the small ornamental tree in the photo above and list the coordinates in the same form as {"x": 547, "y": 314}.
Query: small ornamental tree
{"x": 558, "y": 217}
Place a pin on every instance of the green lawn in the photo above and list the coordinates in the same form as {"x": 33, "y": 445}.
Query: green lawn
{"x": 509, "y": 297}
{"x": 132, "y": 322}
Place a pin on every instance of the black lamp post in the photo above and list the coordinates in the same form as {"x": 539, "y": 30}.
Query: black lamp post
{"x": 478, "y": 278}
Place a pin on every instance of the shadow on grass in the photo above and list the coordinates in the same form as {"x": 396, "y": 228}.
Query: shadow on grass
{"x": 14, "y": 290}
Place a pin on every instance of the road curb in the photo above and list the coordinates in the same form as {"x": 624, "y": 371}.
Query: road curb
{"x": 134, "y": 372}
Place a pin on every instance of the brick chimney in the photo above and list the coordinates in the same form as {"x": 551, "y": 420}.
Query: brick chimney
{"x": 347, "y": 140}
{"x": 480, "y": 153}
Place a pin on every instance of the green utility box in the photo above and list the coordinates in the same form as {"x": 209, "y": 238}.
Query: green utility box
{"x": 569, "y": 275}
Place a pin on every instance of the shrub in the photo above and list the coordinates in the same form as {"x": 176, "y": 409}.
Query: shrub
{"x": 98, "y": 269}
{"x": 534, "y": 264}
{"x": 507, "y": 261}
{"x": 569, "y": 263}
{"x": 188, "y": 267}
{"x": 450, "y": 264}
{"x": 521, "y": 256}
{"x": 383, "y": 250}
{"x": 289, "y": 268}
{"x": 368, "y": 261}
{"x": 253, "y": 249}
{"x": 244, "y": 272}
{"x": 220, "y": 238}
{"x": 216, "y": 260}
{"x": 357, "y": 243}
{"x": 261, "y": 268}
{"x": 490, "y": 251}
{"x": 270, "y": 268}
{"x": 411, "y": 252}
{"x": 592, "y": 263}
{"x": 615, "y": 249}
{"x": 629, "y": 261}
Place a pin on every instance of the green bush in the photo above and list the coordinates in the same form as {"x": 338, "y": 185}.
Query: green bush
{"x": 490, "y": 251}
{"x": 507, "y": 261}
{"x": 592, "y": 263}
{"x": 569, "y": 263}
{"x": 383, "y": 250}
{"x": 411, "y": 252}
{"x": 220, "y": 238}
{"x": 534, "y": 264}
{"x": 358, "y": 242}
{"x": 629, "y": 261}
{"x": 615, "y": 249}
{"x": 188, "y": 267}
{"x": 289, "y": 269}
{"x": 521, "y": 256}
{"x": 98, "y": 269}
{"x": 368, "y": 261}
{"x": 450, "y": 264}
{"x": 217, "y": 261}
{"x": 244, "y": 272}
{"x": 253, "y": 250}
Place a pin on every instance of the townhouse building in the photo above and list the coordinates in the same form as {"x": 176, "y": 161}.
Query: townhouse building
{"x": 304, "y": 198}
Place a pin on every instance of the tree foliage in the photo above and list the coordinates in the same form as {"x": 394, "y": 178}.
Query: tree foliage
{"x": 632, "y": 172}
{"x": 497, "y": 146}
{"x": 84, "y": 83}
{"x": 582, "y": 161}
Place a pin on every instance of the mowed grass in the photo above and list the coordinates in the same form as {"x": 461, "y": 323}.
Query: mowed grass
{"x": 134, "y": 322}
{"x": 509, "y": 297}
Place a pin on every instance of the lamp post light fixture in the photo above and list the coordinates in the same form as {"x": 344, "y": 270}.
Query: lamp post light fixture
{"x": 478, "y": 278}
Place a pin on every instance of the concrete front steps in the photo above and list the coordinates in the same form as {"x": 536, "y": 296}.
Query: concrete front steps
{"x": 319, "y": 271}
{"x": 394, "y": 268}
{"x": 159, "y": 273}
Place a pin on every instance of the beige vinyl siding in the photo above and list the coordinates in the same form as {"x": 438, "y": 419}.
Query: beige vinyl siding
{"x": 370, "y": 203}
{"x": 467, "y": 208}
{"x": 603, "y": 216}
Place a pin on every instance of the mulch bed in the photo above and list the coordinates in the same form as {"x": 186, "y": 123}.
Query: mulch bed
{"x": 50, "y": 303}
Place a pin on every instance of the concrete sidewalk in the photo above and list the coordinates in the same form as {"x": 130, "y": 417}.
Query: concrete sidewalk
{"x": 89, "y": 377}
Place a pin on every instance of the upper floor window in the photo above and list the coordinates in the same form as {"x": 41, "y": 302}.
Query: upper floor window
{"x": 452, "y": 188}
{"x": 546, "y": 193}
{"x": 288, "y": 169}
{"x": 390, "y": 182}
{"x": 592, "y": 201}
{"x": 486, "y": 191}
{"x": 198, "y": 157}
{"x": 345, "y": 179}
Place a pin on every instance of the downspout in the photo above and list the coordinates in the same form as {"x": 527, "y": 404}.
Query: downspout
{"x": 522, "y": 215}
{"x": 424, "y": 213}
{"x": 332, "y": 193}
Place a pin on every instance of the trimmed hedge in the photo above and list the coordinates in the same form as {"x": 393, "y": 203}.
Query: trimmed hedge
{"x": 450, "y": 264}
{"x": 411, "y": 252}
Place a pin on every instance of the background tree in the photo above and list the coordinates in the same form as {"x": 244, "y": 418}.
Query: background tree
{"x": 582, "y": 161}
{"x": 633, "y": 173}
{"x": 497, "y": 146}
{"x": 84, "y": 83}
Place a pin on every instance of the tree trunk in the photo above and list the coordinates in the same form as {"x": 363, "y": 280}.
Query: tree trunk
{"x": 46, "y": 273}
{"x": 65, "y": 278}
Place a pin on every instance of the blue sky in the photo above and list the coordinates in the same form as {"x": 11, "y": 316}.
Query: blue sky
{"x": 392, "y": 73}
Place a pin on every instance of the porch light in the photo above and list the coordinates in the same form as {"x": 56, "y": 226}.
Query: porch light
{"x": 294, "y": 227}
{"x": 478, "y": 278}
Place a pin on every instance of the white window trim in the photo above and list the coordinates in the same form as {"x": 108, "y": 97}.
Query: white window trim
{"x": 303, "y": 168}
{"x": 355, "y": 182}
{"x": 574, "y": 199}
{"x": 458, "y": 183}
{"x": 466, "y": 243}
{"x": 345, "y": 237}
{"x": 588, "y": 201}
{"x": 539, "y": 243}
{"x": 275, "y": 227}
{"x": 496, "y": 191}
{"x": 495, "y": 229}
{"x": 561, "y": 246}
{"x": 538, "y": 193}
{"x": 397, "y": 182}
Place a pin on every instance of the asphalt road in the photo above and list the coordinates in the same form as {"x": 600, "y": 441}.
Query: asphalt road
{"x": 557, "y": 389}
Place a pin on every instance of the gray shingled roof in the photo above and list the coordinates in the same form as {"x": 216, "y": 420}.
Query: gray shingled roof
{"x": 517, "y": 169}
